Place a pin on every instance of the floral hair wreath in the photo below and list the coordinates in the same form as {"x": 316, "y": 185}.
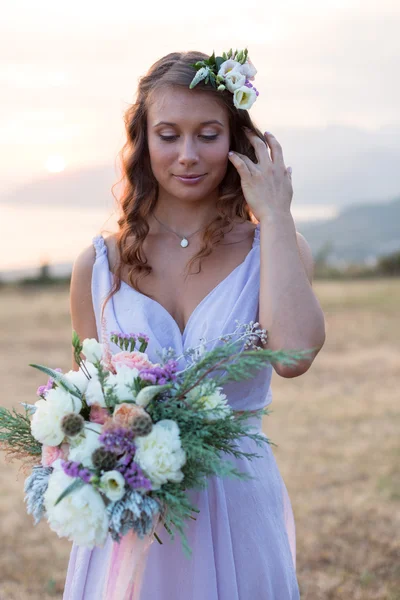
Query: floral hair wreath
{"x": 232, "y": 71}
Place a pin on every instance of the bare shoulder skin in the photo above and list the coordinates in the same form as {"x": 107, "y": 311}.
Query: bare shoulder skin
{"x": 81, "y": 303}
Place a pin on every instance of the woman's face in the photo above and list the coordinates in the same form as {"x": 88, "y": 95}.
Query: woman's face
{"x": 188, "y": 134}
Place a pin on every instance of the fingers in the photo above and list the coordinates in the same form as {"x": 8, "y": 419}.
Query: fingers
{"x": 242, "y": 163}
{"x": 275, "y": 147}
{"x": 260, "y": 147}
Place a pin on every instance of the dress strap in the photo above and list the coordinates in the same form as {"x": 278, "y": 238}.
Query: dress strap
{"x": 99, "y": 245}
{"x": 256, "y": 239}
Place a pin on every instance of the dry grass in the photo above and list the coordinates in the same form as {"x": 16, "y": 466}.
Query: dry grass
{"x": 336, "y": 428}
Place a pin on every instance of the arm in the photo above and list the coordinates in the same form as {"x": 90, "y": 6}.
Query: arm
{"x": 289, "y": 309}
{"x": 81, "y": 305}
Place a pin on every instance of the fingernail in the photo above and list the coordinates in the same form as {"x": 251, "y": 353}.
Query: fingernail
{"x": 289, "y": 170}
{"x": 268, "y": 133}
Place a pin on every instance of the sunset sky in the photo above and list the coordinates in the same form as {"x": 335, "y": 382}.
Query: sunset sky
{"x": 327, "y": 77}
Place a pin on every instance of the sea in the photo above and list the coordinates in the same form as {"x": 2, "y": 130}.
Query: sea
{"x": 37, "y": 235}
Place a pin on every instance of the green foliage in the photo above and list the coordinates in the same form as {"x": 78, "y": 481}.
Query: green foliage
{"x": 76, "y": 484}
{"x": 205, "y": 443}
{"x": 390, "y": 264}
{"x": 208, "y": 68}
{"x": 61, "y": 380}
{"x": 236, "y": 364}
{"x": 15, "y": 433}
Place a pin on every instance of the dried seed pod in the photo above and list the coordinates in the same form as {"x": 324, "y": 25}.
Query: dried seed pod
{"x": 72, "y": 424}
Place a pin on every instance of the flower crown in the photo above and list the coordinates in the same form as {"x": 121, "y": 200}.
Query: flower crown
{"x": 232, "y": 71}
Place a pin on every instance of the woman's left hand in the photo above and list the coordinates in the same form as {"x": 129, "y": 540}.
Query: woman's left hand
{"x": 267, "y": 184}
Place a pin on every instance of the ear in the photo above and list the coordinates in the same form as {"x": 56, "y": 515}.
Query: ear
{"x": 306, "y": 256}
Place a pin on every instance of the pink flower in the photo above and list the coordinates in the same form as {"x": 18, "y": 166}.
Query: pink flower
{"x": 51, "y": 453}
{"x": 133, "y": 360}
{"x": 125, "y": 414}
{"x": 98, "y": 414}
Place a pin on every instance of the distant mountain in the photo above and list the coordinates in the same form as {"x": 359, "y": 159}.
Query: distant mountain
{"x": 359, "y": 233}
{"x": 336, "y": 165}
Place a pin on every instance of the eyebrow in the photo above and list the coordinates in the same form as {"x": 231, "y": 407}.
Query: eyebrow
{"x": 203, "y": 123}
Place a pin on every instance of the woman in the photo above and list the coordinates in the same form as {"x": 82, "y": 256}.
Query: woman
{"x": 188, "y": 200}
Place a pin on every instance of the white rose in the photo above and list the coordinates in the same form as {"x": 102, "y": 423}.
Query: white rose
{"x": 79, "y": 378}
{"x": 84, "y": 444}
{"x": 94, "y": 393}
{"x": 80, "y": 516}
{"x": 46, "y": 421}
{"x": 160, "y": 453}
{"x": 234, "y": 80}
{"x": 124, "y": 377}
{"x": 212, "y": 400}
{"x": 92, "y": 349}
{"x": 244, "y": 97}
{"x": 113, "y": 485}
{"x": 227, "y": 66}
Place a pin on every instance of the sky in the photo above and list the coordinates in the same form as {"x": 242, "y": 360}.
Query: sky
{"x": 327, "y": 77}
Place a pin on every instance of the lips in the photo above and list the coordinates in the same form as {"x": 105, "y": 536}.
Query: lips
{"x": 190, "y": 179}
{"x": 192, "y": 176}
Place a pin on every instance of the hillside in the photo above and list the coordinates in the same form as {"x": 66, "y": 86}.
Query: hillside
{"x": 359, "y": 233}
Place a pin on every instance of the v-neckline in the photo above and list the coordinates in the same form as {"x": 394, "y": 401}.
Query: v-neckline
{"x": 197, "y": 307}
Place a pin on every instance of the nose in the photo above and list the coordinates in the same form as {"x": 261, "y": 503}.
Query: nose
{"x": 188, "y": 154}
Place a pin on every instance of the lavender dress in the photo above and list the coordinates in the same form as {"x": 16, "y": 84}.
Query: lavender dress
{"x": 243, "y": 538}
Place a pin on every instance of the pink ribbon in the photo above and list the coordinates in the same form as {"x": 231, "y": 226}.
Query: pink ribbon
{"x": 127, "y": 563}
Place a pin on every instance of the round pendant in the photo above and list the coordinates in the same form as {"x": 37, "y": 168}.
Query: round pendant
{"x": 184, "y": 243}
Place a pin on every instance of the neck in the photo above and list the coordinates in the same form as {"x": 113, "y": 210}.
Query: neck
{"x": 184, "y": 217}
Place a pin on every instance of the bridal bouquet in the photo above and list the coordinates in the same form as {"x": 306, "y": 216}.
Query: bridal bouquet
{"x": 117, "y": 444}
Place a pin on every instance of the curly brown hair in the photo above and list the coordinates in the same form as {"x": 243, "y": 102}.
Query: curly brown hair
{"x": 140, "y": 188}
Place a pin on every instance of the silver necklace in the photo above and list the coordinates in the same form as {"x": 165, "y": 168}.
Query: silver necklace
{"x": 184, "y": 239}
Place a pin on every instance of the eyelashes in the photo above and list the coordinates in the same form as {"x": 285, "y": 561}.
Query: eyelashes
{"x": 172, "y": 138}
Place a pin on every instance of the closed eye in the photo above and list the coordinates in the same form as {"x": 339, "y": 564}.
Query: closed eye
{"x": 171, "y": 138}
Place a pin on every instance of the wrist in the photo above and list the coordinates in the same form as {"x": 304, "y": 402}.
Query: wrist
{"x": 276, "y": 218}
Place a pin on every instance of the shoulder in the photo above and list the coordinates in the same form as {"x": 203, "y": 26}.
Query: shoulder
{"x": 80, "y": 298}
{"x": 84, "y": 261}
{"x": 306, "y": 255}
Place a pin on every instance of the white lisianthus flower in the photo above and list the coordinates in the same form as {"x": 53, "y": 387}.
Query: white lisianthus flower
{"x": 113, "y": 485}
{"x": 92, "y": 349}
{"x": 244, "y": 97}
{"x": 160, "y": 453}
{"x": 211, "y": 399}
{"x": 46, "y": 420}
{"x": 80, "y": 516}
{"x": 79, "y": 378}
{"x": 227, "y": 66}
{"x": 249, "y": 70}
{"x": 125, "y": 376}
{"x": 84, "y": 444}
{"x": 234, "y": 80}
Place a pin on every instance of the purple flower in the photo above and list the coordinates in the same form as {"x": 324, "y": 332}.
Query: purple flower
{"x": 49, "y": 385}
{"x": 144, "y": 337}
{"x": 75, "y": 469}
{"x": 118, "y": 440}
{"x": 160, "y": 375}
{"x": 147, "y": 376}
{"x": 85, "y": 474}
{"x": 133, "y": 474}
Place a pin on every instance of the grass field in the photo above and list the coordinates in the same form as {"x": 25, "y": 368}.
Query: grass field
{"x": 337, "y": 429}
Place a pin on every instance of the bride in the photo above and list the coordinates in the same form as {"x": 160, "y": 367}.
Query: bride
{"x": 203, "y": 185}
